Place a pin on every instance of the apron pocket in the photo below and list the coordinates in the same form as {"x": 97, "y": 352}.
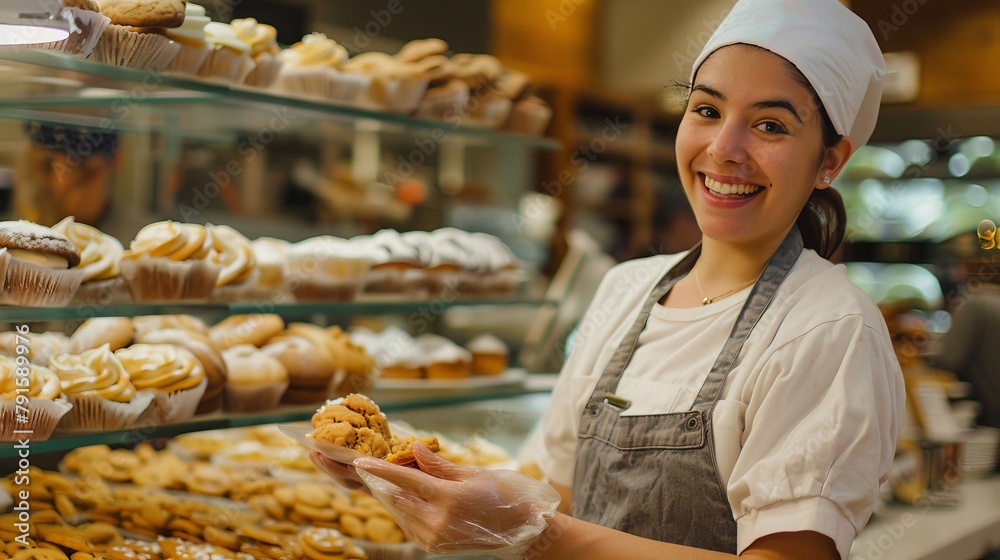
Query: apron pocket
{"x": 678, "y": 430}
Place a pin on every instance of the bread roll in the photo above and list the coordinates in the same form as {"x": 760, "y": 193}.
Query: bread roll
{"x": 116, "y": 332}
{"x": 254, "y": 329}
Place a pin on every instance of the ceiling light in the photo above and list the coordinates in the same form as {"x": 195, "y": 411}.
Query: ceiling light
{"x": 30, "y": 22}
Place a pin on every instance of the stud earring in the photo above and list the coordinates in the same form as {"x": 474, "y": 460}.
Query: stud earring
{"x": 826, "y": 179}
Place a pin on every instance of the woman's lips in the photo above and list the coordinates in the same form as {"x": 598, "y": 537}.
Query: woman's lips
{"x": 732, "y": 200}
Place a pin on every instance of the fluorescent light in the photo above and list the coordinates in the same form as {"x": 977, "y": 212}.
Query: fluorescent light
{"x": 29, "y": 22}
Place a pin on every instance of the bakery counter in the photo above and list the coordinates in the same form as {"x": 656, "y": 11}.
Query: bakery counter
{"x": 967, "y": 531}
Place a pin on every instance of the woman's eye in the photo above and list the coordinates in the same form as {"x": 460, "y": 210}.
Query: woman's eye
{"x": 771, "y": 127}
{"x": 708, "y": 112}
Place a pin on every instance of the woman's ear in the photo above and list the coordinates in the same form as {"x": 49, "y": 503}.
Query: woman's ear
{"x": 834, "y": 159}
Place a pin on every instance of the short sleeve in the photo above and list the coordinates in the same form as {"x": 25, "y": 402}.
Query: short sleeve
{"x": 821, "y": 429}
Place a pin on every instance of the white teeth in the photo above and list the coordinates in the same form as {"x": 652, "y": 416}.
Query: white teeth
{"x": 726, "y": 188}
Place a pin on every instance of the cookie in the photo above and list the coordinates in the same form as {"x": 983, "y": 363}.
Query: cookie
{"x": 144, "y": 13}
{"x": 402, "y": 449}
{"x": 26, "y": 236}
{"x": 88, "y": 5}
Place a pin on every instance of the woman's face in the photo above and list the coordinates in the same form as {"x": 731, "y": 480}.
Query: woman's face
{"x": 749, "y": 147}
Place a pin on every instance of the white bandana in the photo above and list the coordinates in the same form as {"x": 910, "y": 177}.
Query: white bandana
{"x": 832, "y": 47}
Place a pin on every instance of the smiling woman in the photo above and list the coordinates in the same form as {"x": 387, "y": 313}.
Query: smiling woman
{"x": 740, "y": 398}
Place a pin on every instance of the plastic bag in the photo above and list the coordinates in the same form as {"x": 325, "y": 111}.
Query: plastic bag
{"x": 451, "y": 509}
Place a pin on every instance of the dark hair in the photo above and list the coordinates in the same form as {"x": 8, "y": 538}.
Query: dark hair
{"x": 823, "y": 220}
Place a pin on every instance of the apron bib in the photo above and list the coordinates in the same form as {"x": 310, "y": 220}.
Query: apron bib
{"x": 655, "y": 476}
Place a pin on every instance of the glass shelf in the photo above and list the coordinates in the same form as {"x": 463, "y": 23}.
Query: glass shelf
{"x": 58, "y": 88}
{"x": 220, "y": 420}
{"x": 357, "y": 307}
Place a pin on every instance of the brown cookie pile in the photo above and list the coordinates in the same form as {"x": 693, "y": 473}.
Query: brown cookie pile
{"x": 357, "y": 423}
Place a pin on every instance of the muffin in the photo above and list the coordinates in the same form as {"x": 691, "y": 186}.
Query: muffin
{"x": 172, "y": 373}
{"x": 396, "y": 85}
{"x": 445, "y": 359}
{"x": 263, "y": 41}
{"x": 45, "y": 404}
{"x": 529, "y": 116}
{"x": 315, "y": 67}
{"x": 256, "y": 381}
{"x": 309, "y": 365}
{"x": 407, "y": 362}
{"x": 99, "y": 256}
{"x": 116, "y": 332}
{"x": 230, "y": 59}
{"x": 396, "y": 267}
{"x": 271, "y": 258}
{"x": 98, "y": 387}
{"x": 194, "y": 48}
{"x": 135, "y": 47}
{"x": 357, "y": 366}
{"x": 37, "y": 263}
{"x": 169, "y": 261}
{"x": 490, "y": 355}
{"x": 207, "y": 354}
{"x": 327, "y": 268}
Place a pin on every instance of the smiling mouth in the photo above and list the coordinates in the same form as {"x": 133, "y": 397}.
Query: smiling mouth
{"x": 728, "y": 189}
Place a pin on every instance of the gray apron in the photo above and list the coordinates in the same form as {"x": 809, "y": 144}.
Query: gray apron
{"x": 656, "y": 476}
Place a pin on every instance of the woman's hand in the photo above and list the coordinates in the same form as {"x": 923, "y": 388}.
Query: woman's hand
{"x": 447, "y": 508}
{"x": 344, "y": 475}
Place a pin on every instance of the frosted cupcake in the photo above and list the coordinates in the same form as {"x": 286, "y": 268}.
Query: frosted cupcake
{"x": 234, "y": 254}
{"x": 448, "y": 361}
{"x": 490, "y": 355}
{"x": 98, "y": 387}
{"x": 169, "y": 261}
{"x": 36, "y": 265}
{"x": 271, "y": 258}
{"x": 45, "y": 404}
{"x": 230, "y": 60}
{"x": 396, "y": 265}
{"x": 194, "y": 47}
{"x": 41, "y": 346}
{"x": 256, "y": 380}
{"x": 529, "y": 116}
{"x": 263, "y": 41}
{"x": 315, "y": 67}
{"x": 396, "y": 85}
{"x": 327, "y": 268}
{"x": 172, "y": 373}
{"x": 99, "y": 256}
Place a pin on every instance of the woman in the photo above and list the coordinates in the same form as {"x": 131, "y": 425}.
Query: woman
{"x": 742, "y": 398}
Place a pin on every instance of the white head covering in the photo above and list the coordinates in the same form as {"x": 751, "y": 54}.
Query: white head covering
{"x": 832, "y": 47}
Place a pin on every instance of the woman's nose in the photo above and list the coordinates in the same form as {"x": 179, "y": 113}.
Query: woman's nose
{"x": 729, "y": 144}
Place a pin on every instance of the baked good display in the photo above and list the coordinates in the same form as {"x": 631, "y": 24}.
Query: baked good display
{"x": 230, "y": 59}
{"x": 98, "y": 387}
{"x": 355, "y": 422}
{"x": 45, "y": 407}
{"x": 173, "y": 373}
{"x": 169, "y": 261}
{"x": 263, "y": 41}
{"x": 327, "y": 268}
{"x": 116, "y": 332}
{"x": 190, "y": 35}
{"x": 255, "y": 380}
{"x": 37, "y": 265}
{"x": 490, "y": 355}
{"x": 99, "y": 256}
{"x": 254, "y": 330}
{"x": 317, "y": 66}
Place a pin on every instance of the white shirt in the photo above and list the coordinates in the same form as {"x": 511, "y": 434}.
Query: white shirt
{"x": 806, "y": 426}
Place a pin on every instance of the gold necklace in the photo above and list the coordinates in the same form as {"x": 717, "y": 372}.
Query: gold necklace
{"x": 707, "y": 300}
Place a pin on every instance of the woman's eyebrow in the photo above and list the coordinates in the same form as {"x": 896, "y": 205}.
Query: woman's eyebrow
{"x": 780, "y": 104}
{"x": 716, "y": 94}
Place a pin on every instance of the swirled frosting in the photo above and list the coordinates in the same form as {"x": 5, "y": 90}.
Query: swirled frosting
{"x": 223, "y": 34}
{"x": 193, "y": 28}
{"x": 164, "y": 367}
{"x": 261, "y": 37}
{"x": 42, "y": 382}
{"x": 94, "y": 373}
{"x": 315, "y": 49}
{"x": 233, "y": 252}
{"x": 173, "y": 240}
{"x": 99, "y": 252}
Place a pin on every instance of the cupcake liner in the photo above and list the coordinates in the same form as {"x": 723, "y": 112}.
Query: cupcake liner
{"x": 161, "y": 279}
{"x": 144, "y": 51}
{"x": 178, "y": 406}
{"x": 266, "y": 72}
{"x": 398, "y": 95}
{"x": 30, "y": 285}
{"x": 323, "y": 83}
{"x": 86, "y": 28}
{"x": 489, "y": 113}
{"x": 97, "y": 413}
{"x": 43, "y": 416}
{"x": 102, "y": 292}
{"x": 227, "y": 65}
{"x": 444, "y": 106}
{"x": 190, "y": 58}
{"x": 253, "y": 398}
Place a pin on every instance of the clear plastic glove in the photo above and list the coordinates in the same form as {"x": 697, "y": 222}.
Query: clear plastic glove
{"x": 450, "y": 509}
{"x": 344, "y": 475}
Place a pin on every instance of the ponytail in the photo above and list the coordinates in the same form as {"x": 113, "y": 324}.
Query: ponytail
{"x": 823, "y": 222}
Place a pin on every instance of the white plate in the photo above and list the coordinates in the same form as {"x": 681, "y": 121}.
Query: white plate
{"x": 511, "y": 377}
